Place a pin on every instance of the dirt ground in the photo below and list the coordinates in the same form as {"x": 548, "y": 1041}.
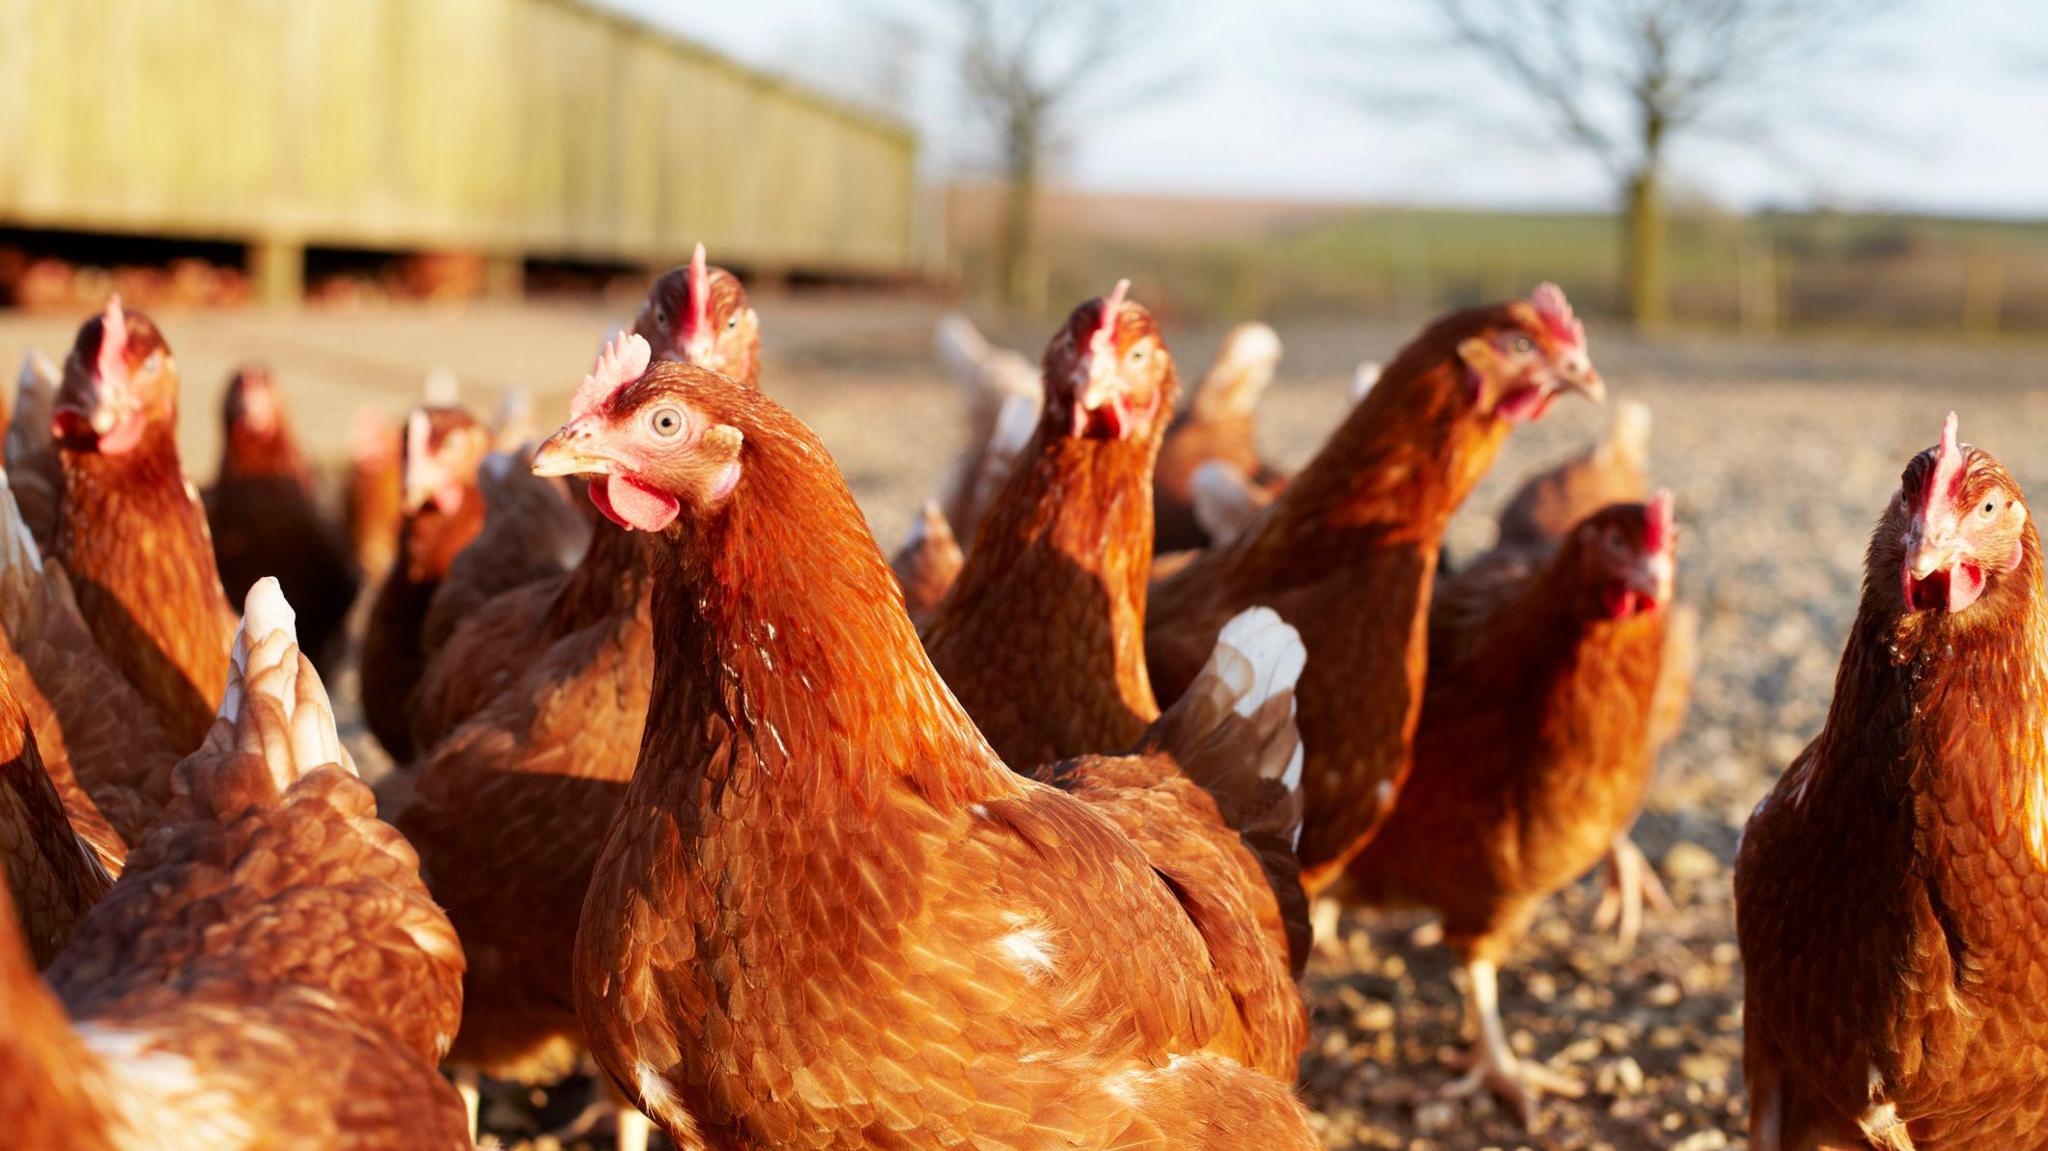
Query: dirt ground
{"x": 1781, "y": 456}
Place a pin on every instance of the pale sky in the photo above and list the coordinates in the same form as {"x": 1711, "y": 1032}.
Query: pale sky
{"x": 1945, "y": 102}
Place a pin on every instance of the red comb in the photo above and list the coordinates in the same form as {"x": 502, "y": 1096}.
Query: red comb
{"x": 1114, "y": 305}
{"x": 700, "y": 294}
{"x": 1658, "y": 520}
{"x": 618, "y": 365}
{"x": 1556, "y": 313}
{"x": 113, "y": 358}
{"x": 1105, "y": 324}
{"x": 1947, "y": 476}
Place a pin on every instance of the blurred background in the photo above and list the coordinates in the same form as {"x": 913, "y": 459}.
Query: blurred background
{"x": 1761, "y": 165}
{"x": 1800, "y": 230}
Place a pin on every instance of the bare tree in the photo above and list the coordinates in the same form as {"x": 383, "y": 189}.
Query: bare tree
{"x": 1032, "y": 68}
{"x": 1620, "y": 79}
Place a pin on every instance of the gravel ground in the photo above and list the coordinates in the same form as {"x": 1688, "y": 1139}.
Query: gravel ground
{"x": 1782, "y": 455}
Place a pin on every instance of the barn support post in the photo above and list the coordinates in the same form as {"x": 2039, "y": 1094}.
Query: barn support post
{"x": 277, "y": 270}
{"x": 505, "y": 276}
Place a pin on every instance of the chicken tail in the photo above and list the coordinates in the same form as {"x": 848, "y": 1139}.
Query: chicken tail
{"x": 1243, "y": 369}
{"x": 1225, "y": 500}
{"x": 1363, "y": 377}
{"x": 19, "y": 554}
{"x": 512, "y": 425}
{"x": 1629, "y": 437}
{"x": 275, "y": 706}
{"x": 1233, "y": 732}
{"x": 962, "y": 348}
{"x": 31, "y": 452}
{"x": 928, "y": 562}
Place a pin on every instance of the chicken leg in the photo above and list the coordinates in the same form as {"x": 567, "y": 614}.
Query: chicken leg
{"x": 1493, "y": 1065}
{"x": 466, "y": 1085}
{"x": 630, "y": 1129}
{"x": 1632, "y": 884}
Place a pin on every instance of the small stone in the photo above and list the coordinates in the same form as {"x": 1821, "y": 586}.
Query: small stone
{"x": 1435, "y": 1116}
{"x": 1689, "y": 861}
{"x": 1623, "y": 1076}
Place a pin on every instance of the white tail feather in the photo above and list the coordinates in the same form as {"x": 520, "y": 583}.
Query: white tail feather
{"x": 267, "y": 662}
{"x": 1631, "y": 432}
{"x": 1260, "y": 656}
{"x": 1225, "y": 503}
{"x": 34, "y": 399}
{"x": 1242, "y": 372}
{"x": 1363, "y": 377}
{"x": 18, "y": 549}
{"x": 1014, "y": 425}
{"x": 930, "y": 522}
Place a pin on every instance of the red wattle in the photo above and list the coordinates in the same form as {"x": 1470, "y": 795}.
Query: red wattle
{"x": 633, "y": 505}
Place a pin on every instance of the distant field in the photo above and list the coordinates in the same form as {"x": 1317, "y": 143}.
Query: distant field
{"x": 1766, "y": 272}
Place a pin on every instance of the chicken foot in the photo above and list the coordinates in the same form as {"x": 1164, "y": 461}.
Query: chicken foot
{"x": 1632, "y": 884}
{"x": 1493, "y": 1064}
{"x": 466, "y": 1085}
{"x": 629, "y": 1127}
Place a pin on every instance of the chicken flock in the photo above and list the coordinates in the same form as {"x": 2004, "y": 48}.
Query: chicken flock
{"x": 1011, "y": 840}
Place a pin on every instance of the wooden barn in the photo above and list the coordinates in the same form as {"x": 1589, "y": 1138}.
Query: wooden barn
{"x": 517, "y": 129}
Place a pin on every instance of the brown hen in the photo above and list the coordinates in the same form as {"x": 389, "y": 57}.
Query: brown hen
{"x": 509, "y": 810}
{"x": 927, "y": 563}
{"x": 827, "y": 913}
{"x": 1889, "y": 891}
{"x": 374, "y": 502}
{"x": 268, "y": 973}
{"x": 131, "y": 533}
{"x": 1348, "y": 552}
{"x": 444, "y": 511}
{"x": 55, "y": 871}
{"x": 1042, "y": 641}
{"x": 1217, "y": 426}
{"x": 266, "y": 520}
{"x": 1535, "y": 520}
{"x": 1531, "y": 755}
{"x": 101, "y": 746}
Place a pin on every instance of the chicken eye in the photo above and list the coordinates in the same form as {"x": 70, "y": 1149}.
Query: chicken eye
{"x": 1521, "y": 346}
{"x": 665, "y": 422}
{"x": 660, "y": 315}
{"x": 155, "y": 361}
{"x": 1990, "y": 506}
{"x": 1138, "y": 355}
{"x": 732, "y": 323}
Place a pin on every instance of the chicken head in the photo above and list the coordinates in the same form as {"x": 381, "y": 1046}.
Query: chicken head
{"x": 118, "y": 380}
{"x": 1628, "y": 558}
{"x": 1962, "y": 521}
{"x": 646, "y": 443}
{"x": 444, "y": 448}
{"x": 1107, "y": 373}
{"x": 1516, "y": 370}
{"x": 699, "y": 315}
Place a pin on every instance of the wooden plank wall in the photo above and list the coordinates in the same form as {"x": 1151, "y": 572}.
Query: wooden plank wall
{"x": 536, "y": 127}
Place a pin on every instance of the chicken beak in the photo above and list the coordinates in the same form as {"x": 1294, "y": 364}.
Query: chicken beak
{"x": 1652, "y": 579}
{"x": 1928, "y": 553}
{"x": 575, "y": 450}
{"x": 1577, "y": 374}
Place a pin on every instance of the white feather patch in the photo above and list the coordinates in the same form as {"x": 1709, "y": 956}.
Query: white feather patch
{"x": 159, "y": 1099}
{"x": 1273, "y": 649}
